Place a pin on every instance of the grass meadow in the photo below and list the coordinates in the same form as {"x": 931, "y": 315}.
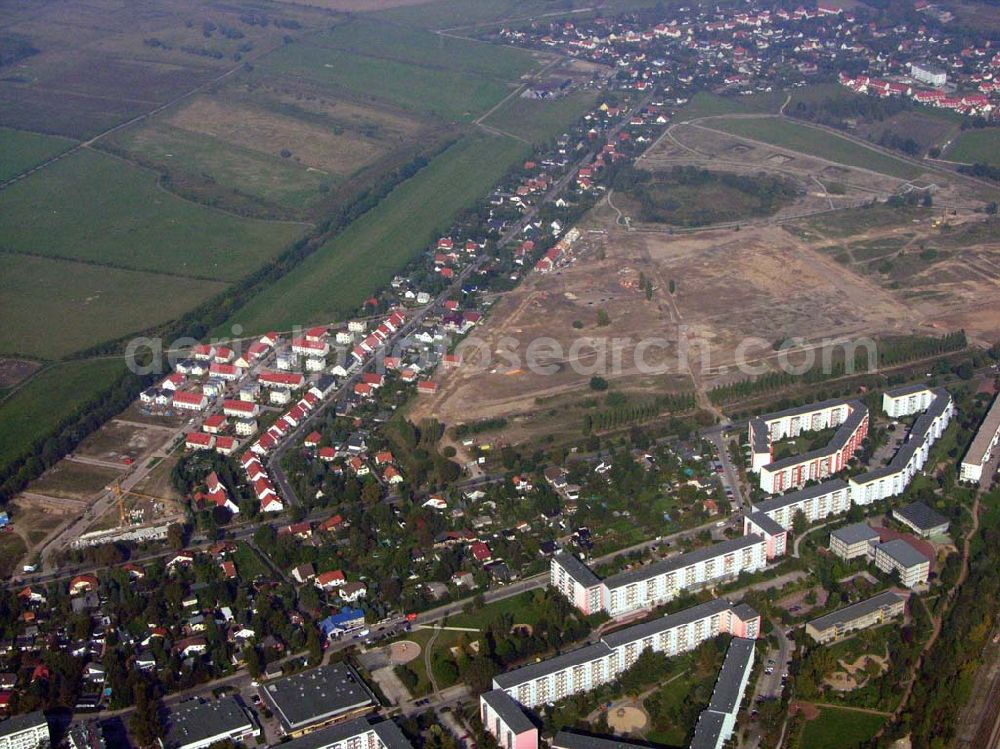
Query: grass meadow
{"x": 100, "y": 209}
{"x": 52, "y": 308}
{"x": 819, "y": 143}
{"x": 20, "y": 150}
{"x": 541, "y": 121}
{"x": 976, "y": 147}
{"x": 336, "y": 279}
{"x": 40, "y": 404}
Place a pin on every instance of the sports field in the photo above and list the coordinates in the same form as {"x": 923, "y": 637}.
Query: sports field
{"x": 94, "y": 207}
{"x": 976, "y": 147}
{"x": 336, "y": 279}
{"x": 541, "y": 120}
{"x": 815, "y": 142}
{"x": 51, "y": 307}
{"x": 20, "y": 150}
{"x": 48, "y": 398}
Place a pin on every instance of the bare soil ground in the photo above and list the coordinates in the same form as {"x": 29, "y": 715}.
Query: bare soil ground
{"x": 117, "y": 441}
{"x": 799, "y": 274}
{"x": 71, "y": 480}
{"x": 13, "y": 371}
{"x": 158, "y": 484}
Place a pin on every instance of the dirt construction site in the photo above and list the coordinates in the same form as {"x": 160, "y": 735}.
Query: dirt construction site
{"x": 826, "y": 267}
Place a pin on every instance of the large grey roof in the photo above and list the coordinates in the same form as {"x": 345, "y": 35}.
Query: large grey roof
{"x": 984, "y": 437}
{"x": 508, "y": 710}
{"x": 902, "y": 552}
{"x": 681, "y": 561}
{"x": 784, "y": 500}
{"x": 762, "y": 521}
{"x": 194, "y": 721}
{"x": 18, "y": 723}
{"x": 727, "y": 697}
{"x": 902, "y": 390}
{"x": 577, "y": 570}
{"x": 387, "y": 731}
{"x": 664, "y": 623}
{"x": 920, "y": 515}
{"x": 708, "y": 730}
{"x": 316, "y": 695}
{"x": 855, "y": 610}
{"x": 810, "y": 407}
{"x": 839, "y": 439}
{"x": 571, "y": 740}
{"x": 566, "y": 660}
{"x": 914, "y": 439}
{"x": 855, "y": 534}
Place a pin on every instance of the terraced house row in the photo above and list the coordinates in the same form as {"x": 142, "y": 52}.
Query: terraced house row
{"x": 654, "y": 584}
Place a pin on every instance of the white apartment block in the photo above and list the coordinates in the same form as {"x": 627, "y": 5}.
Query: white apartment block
{"x": 907, "y": 400}
{"x": 852, "y": 541}
{"x": 892, "y": 479}
{"x": 898, "y": 556}
{"x": 981, "y": 449}
{"x": 353, "y": 734}
{"x": 28, "y": 731}
{"x": 816, "y": 502}
{"x": 593, "y": 665}
{"x": 573, "y": 579}
{"x": 849, "y": 416}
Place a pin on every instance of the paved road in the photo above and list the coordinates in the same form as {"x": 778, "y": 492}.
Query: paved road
{"x": 716, "y": 435}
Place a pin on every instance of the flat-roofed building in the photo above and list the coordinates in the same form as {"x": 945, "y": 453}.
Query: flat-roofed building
{"x": 506, "y": 721}
{"x": 775, "y": 536}
{"x": 900, "y": 557}
{"x": 317, "y": 698}
{"x": 27, "y": 731}
{"x": 852, "y": 541}
{"x": 816, "y": 502}
{"x": 589, "y": 667}
{"x": 839, "y": 623}
{"x": 981, "y": 448}
{"x": 571, "y": 740}
{"x": 921, "y": 519}
{"x": 660, "y": 582}
{"x": 906, "y": 400}
{"x": 892, "y": 479}
{"x": 573, "y": 579}
{"x": 716, "y": 723}
{"x": 357, "y": 733}
{"x": 197, "y": 724}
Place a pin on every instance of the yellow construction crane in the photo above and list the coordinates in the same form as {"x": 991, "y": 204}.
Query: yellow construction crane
{"x": 120, "y": 494}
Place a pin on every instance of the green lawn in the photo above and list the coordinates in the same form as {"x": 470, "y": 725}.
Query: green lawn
{"x": 337, "y": 278}
{"x": 364, "y": 36}
{"x": 448, "y": 94}
{"x": 21, "y": 150}
{"x": 976, "y": 146}
{"x": 53, "y": 394}
{"x": 815, "y": 142}
{"x": 836, "y": 728}
{"x": 538, "y": 120}
{"x": 94, "y": 207}
{"x": 524, "y": 609}
{"x": 453, "y": 13}
{"x": 224, "y": 166}
{"x": 51, "y": 308}
{"x": 248, "y": 564}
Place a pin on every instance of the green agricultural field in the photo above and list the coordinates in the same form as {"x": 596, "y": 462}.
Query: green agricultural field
{"x": 541, "y": 121}
{"x": 815, "y": 142}
{"x": 94, "y": 207}
{"x": 370, "y": 38}
{"x": 336, "y": 279}
{"x": 20, "y": 150}
{"x": 51, "y": 308}
{"x": 704, "y": 104}
{"x": 444, "y": 93}
{"x": 53, "y": 394}
{"x": 836, "y": 728}
{"x": 223, "y": 167}
{"x": 976, "y": 147}
{"x": 456, "y": 13}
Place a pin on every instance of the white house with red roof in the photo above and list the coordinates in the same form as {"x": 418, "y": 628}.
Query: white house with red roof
{"x": 188, "y": 401}
{"x": 330, "y": 580}
{"x": 199, "y": 441}
{"x": 203, "y": 352}
{"x": 240, "y": 408}
{"x": 225, "y": 445}
{"x": 307, "y": 347}
{"x": 173, "y": 381}
{"x": 227, "y": 372}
